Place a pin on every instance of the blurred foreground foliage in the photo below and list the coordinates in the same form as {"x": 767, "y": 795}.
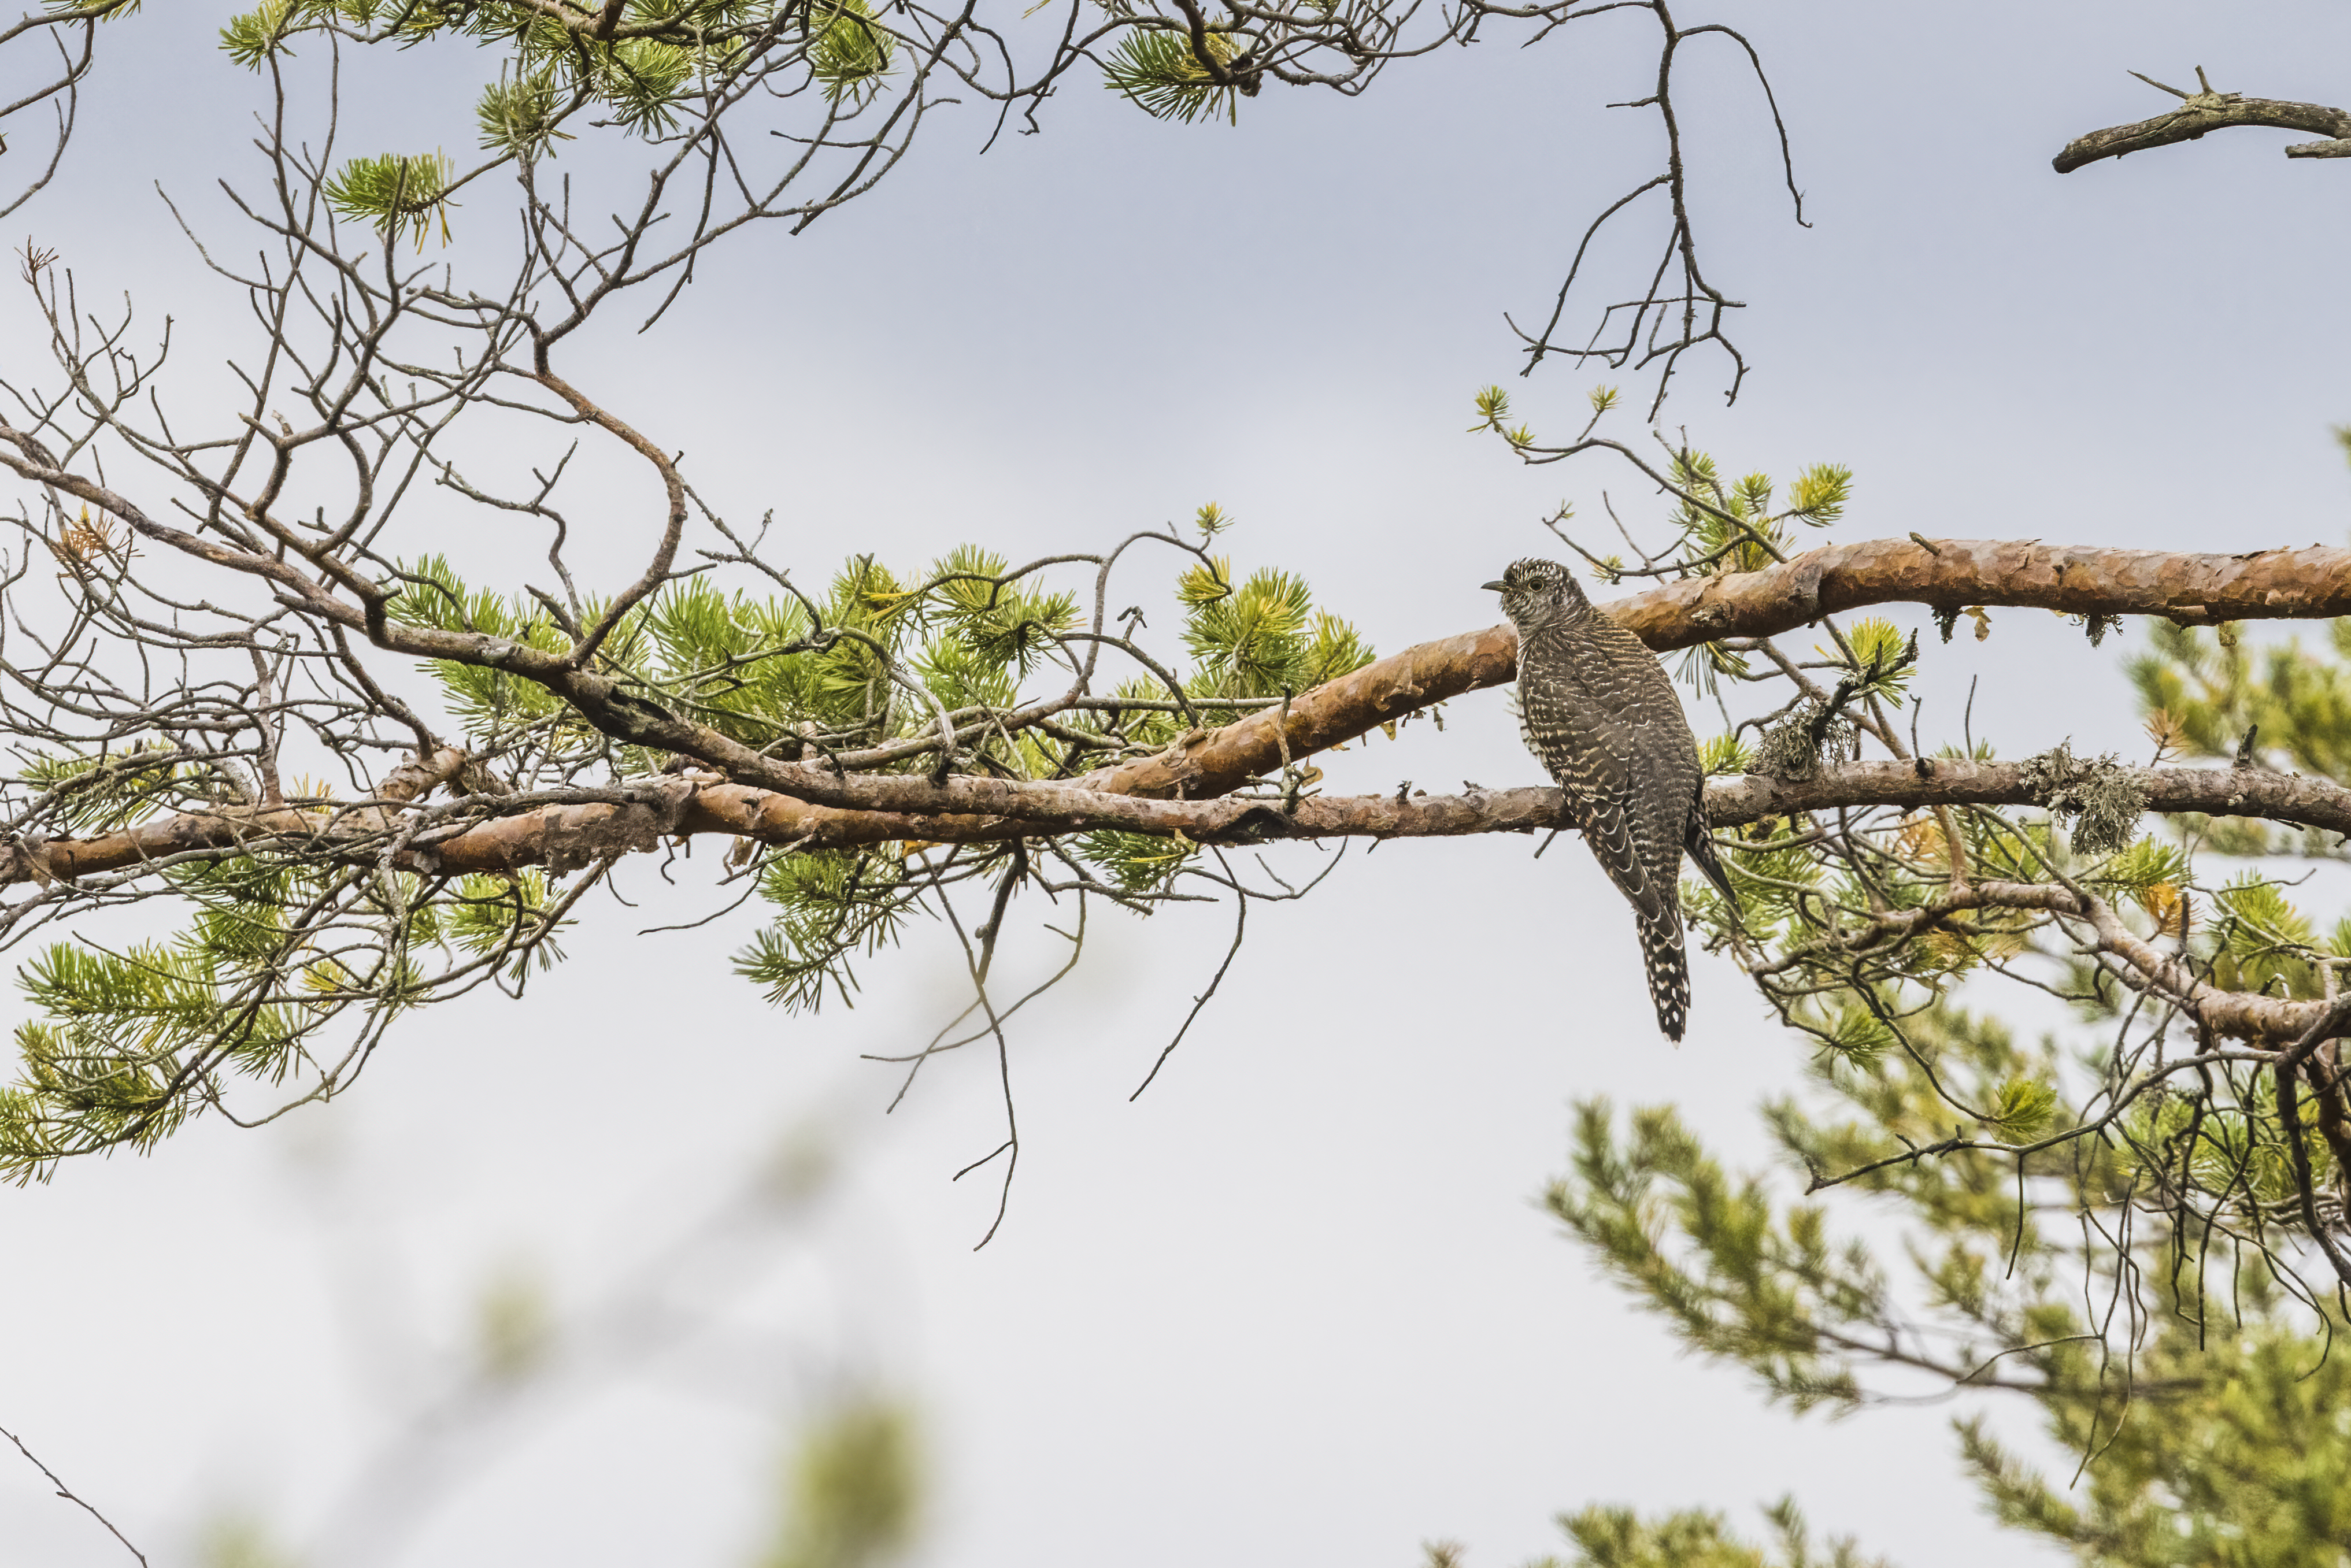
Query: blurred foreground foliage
{"x": 854, "y": 1489}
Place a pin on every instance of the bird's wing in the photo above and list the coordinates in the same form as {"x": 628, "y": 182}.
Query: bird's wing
{"x": 1612, "y": 830}
{"x": 1700, "y": 845}
{"x": 1668, "y": 771}
{"x": 1591, "y": 750}
{"x": 1662, "y": 771}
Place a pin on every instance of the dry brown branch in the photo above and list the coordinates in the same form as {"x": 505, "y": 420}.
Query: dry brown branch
{"x": 1947, "y": 573}
{"x": 1210, "y": 762}
{"x": 2299, "y": 583}
{"x": 2202, "y": 112}
{"x": 572, "y": 833}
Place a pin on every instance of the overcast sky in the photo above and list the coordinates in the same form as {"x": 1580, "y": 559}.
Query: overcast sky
{"x": 1297, "y": 1304}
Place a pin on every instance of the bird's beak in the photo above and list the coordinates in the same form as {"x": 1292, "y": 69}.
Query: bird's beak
{"x": 1493, "y": 587}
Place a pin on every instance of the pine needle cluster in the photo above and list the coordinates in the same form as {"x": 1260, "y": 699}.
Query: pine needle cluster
{"x": 2162, "y": 1346}
{"x": 661, "y": 63}
{"x": 309, "y": 933}
{"x": 125, "y": 1045}
{"x": 1162, "y": 72}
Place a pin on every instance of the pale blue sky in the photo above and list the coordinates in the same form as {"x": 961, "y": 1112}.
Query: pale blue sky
{"x": 1296, "y": 1305}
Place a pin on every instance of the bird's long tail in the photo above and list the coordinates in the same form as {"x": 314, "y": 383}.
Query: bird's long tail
{"x": 1669, "y": 965}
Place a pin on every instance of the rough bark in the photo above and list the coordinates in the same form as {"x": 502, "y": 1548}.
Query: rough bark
{"x": 568, "y": 835}
{"x": 1212, "y": 761}
{"x": 2201, "y": 113}
{"x": 1946, "y": 574}
{"x": 2212, "y": 791}
{"x": 1952, "y": 574}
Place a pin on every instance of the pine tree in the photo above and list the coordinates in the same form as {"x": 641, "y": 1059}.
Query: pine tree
{"x": 342, "y": 777}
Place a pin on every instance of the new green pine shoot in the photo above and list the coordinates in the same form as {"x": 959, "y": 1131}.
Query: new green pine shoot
{"x": 647, "y": 79}
{"x": 849, "y": 50}
{"x": 398, "y": 196}
{"x": 1157, "y": 69}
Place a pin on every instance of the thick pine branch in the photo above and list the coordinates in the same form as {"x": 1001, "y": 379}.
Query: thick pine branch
{"x": 1949, "y": 574}
{"x": 1177, "y": 791}
{"x": 579, "y": 826}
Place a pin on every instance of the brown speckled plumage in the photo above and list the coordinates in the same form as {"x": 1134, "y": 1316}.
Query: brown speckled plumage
{"x": 1599, "y": 712}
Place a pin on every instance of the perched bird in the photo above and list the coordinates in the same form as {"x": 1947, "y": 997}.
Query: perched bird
{"x": 1599, "y": 712}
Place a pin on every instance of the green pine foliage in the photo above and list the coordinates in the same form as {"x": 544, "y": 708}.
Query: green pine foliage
{"x": 1618, "y": 1538}
{"x": 1263, "y": 638}
{"x": 2208, "y": 693}
{"x": 1157, "y": 70}
{"x": 2237, "y": 1460}
{"x": 2206, "y": 690}
{"x": 491, "y": 705}
{"x": 251, "y": 39}
{"x": 1001, "y": 626}
{"x": 1881, "y": 659}
{"x": 1750, "y": 1284}
{"x": 1730, "y": 525}
{"x": 758, "y": 670}
{"x": 2117, "y": 1250}
{"x": 665, "y": 62}
{"x": 282, "y": 950}
{"x": 100, "y": 793}
{"x": 2261, "y": 941}
{"x": 834, "y": 906}
{"x": 655, "y": 73}
{"x": 849, "y": 49}
{"x": 126, "y": 1045}
{"x": 1808, "y": 907}
{"x": 522, "y": 116}
{"x": 398, "y": 196}
{"x": 812, "y": 679}
{"x": 855, "y": 1490}
{"x": 1725, "y": 755}
{"x": 1136, "y": 862}
{"x": 2203, "y": 1386}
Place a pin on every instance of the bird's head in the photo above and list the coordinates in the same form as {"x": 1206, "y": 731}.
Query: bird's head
{"x": 1536, "y": 590}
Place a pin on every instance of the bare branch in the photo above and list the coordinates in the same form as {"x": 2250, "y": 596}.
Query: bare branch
{"x": 2204, "y": 112}
{"x": 67, "y": 1492}
{"x": 574, "y": 828}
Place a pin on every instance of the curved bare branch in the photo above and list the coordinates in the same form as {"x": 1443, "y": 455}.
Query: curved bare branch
{"x": 2077, "y": 580}
{"x": 2202, "y": 112}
